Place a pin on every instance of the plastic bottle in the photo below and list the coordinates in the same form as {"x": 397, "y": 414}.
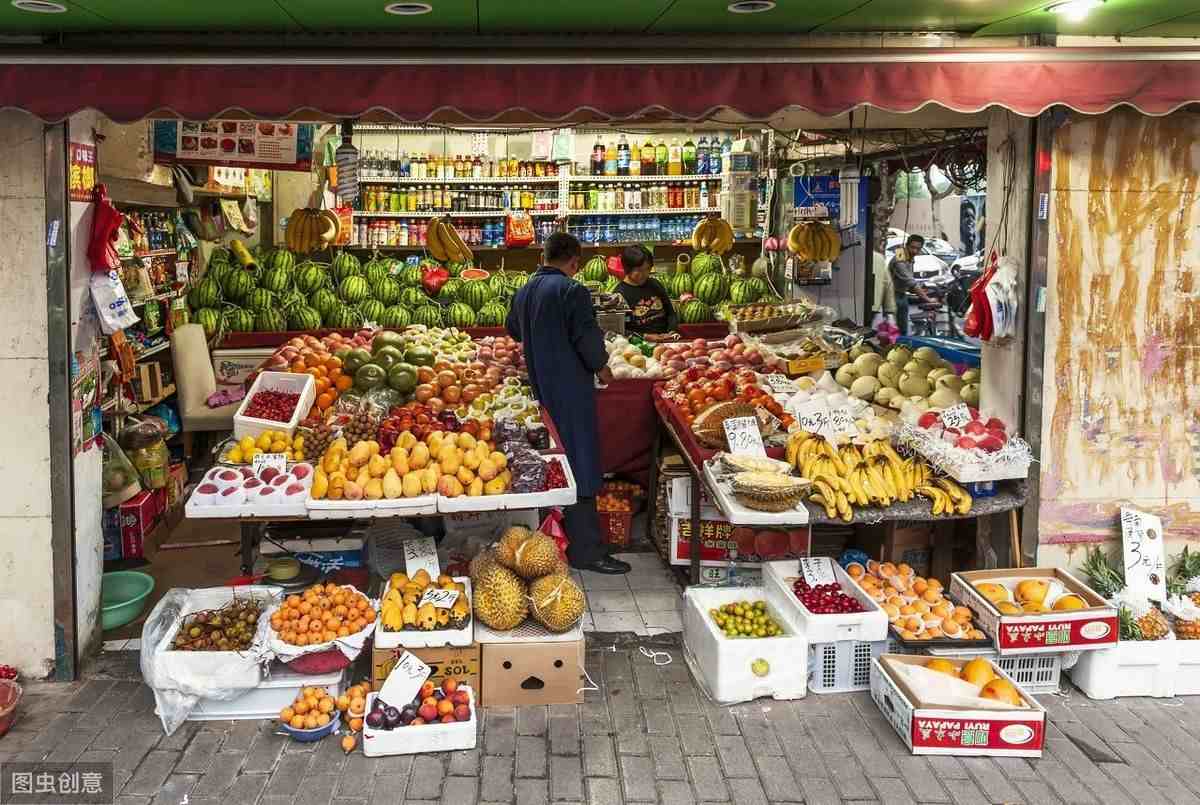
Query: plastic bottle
{"x": 610, "y": 160}
{"x": 675, "y": 158}
{"x": 727, "y": 152}
{"x": 598, "y": 158}
{"x": 622, "y": 156}
{"x": 635, "y": 159}
{"x": 689, "y": 157}
{"x": 648, "y": 158}
{"x": 661, "y": 156}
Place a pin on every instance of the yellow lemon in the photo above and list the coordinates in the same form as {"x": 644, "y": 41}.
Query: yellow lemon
{"x": 234, "y": 456}
{"x": 264, "y": 441}
{"x": 298, "y": 442}
{"x": 247, "y": 444}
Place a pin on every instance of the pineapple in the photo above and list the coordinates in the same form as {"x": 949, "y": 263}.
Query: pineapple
{"x": 1105, "y": 579}
{"x": 1153, "y": 625}
{"x": 1186, "y": 568}
{"x": 1188, "y": 630}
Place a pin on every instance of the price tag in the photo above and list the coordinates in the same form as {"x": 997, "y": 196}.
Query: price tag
{"x": 442, "y": 599}
{"x": 956, "y": 416}
{"x": 781, "y": 384}
{"x": 743, "y": 436}
{"x": 842, "y": 422}
{"x": 1145, "y": 558}
{"x": 817, "y": 570}
{"x": 404, "y": 681}
{"x": 421, "y": 553}
{"x": 263, "y": 460}
{"x": 815, "y": 417}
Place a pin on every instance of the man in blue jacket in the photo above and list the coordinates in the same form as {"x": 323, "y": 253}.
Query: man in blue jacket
{"x": 553, "y": 319}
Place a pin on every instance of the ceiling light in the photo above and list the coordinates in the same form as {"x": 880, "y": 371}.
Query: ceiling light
{"x": 408, "y": 9}
{"x": 1074, "y": 10}
{"x": 751, "y": 6}
{"x": 39, "y": 6}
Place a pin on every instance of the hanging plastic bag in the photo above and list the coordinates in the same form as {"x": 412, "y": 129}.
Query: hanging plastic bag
{"x": 518, "y": 230}
{"x": 552, "y": 527}
{"x": 106, "y": 225}
{"x": 121, "y": 480}
{"x": 112, "y": 303}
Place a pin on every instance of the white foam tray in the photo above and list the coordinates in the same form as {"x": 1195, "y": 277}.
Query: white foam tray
{"x": 423, "y": 738}
{"x": 1132, "y": 668}
{"x": 326, "y": 509}
{"x": 868, "y": 626}
{"x": 421, "y": 639}
{"x": 303, "y": 384}
{"x": 565, "y": 496}
{"x": 739, "y": 514}
{"x": 528, "y": 632}
{"x": 201, "y": 511}
{"x": 274, "y": 693}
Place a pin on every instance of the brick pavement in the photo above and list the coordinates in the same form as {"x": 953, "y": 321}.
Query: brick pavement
{"x": 647, "y": 736}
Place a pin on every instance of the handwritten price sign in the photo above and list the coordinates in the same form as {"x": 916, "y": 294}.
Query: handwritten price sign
{"x": 263, "y": 460}
{"x": 421, "y": 554}
{"x": 842, "y": 422}
{"x": 815, "y": 417}
{"x": 817, "y": 570}
{"x": 1145, "y": 559}
{"x": 956, "y": 416}
{"x": 781, "y": 384}
{"x": 404, "y": 681}
{"x": 743, "y": 436}
{"x": 442, "y": 599}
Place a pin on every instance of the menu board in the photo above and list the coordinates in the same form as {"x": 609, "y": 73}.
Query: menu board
{"x": 257, "y": 143}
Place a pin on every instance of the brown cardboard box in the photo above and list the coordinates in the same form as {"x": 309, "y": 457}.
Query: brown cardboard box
{"x": 147, "y": 385}
{"x": 516, "y": 674}
{"x": 896, "y": 542}
{"x": 460, "y": 662}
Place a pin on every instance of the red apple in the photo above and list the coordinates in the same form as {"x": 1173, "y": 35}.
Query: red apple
{"x": 462, "y": 712}
{"x": 974, "y": 412}
{"x": 965, "y": 442}
{"x": 448, "y": 718}
{"x": 461, "y": 697}
{"x": 295, "y": 489}
{"x": 928, "y": 419}
{"x": 207, "y": 489}
{"x": 990, "y": 444}
{"x": 426, "y": 691}
{"x": 268, "y": 473}
{"x": 428, "y": 712}
{"x": 302, "y": 471}
{"x": 995, "y": 424}
{"x": 999, "y": 434}
{"x": 975, "y": 428}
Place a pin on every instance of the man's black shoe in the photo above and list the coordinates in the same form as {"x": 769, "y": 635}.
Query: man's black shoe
{"x": 606, "y": 565}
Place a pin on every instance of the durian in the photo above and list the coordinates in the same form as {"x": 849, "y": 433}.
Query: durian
{"x": 499, "y": 594}
{"x": 557, "y": 602}
{"x": 537, "y": 556}
{"x": 506, "y": 548}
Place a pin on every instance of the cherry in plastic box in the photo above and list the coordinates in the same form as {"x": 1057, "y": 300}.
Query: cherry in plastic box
{"x": 287, "y": 382}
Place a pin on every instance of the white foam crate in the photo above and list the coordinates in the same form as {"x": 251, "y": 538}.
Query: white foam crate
{"x": 871, "y": 625}
{"x": 274, "y": 693}
{"x": 566, "y": 496}
{"x": 303, "y": 384}
{"x": 422, "y": 739}
{"x": 843, "y": 666}
{"x": 1130, "y": 668}
{"x": 326, "y": 509}
{"x": 1187, "y": 679}
{"x": 528, "y": 632}
{"x": 740, "y": 514}
{"x": 723, "y": 664}
{"x": 1036, "y": 673}
{"x": 435, "y": 638}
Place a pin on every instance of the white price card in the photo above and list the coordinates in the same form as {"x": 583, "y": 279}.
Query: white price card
{"x": 781, "y": 384}
{"x": 956, "y": 416}
{"x": 1145, "y": 557}
{"x": 263, "y": 460}
{"x": 404, "y": 681}
{"x": 842, "y": 421}
{"x": 814, "y": 417}
{"x": 744, "y": 439}
{"x": 817, "y": 570}
{"x": 442, "y": 599}
{"x": 421, "y": 553}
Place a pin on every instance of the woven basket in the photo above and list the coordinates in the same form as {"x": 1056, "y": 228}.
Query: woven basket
{"x": 774, "y": 506}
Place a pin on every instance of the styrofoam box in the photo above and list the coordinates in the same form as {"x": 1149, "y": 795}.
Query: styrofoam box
{"x": 423, "y": 738}
{"x": 566, "y": 496}
{"x": 870, "y": 625}
{"x": 528, "y": 632}
{"x": 723, "y": 664}
{"x": 311, "y": 545}
{"x": 740, "y": 514}
{"x": 274, "y": 693}
{"x": 960, "y": 731}
{"x": 303, "y": 384}
{"x": 1130, "y": 668}
{"x": 1187, "y": 679}
{"x": 295, "y": 508}
{"x": 435, "y": 638}
{"x": 679, "y": 499}
{"x": 326, "y": 509}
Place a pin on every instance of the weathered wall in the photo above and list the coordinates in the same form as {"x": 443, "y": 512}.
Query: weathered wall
{"x": 26, "y": 569}
{"x": 1122, "y": 328}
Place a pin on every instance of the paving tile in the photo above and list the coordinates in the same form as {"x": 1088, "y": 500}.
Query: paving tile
{"x": 532, "y": 720}
{"x": 389, "y": 788}
{"x": 1036, "y": 791}
{"x": 200, "y": 753}
{"x": 603, "y": 581}
{"x": 892, "y": 791}
{"x": 965, "y": 792}
{"x": 637, "y": 778}
{"x": 667, "y": 755}
{"x": 564, "y": 729}
{"x": 464, "y": 763}
{"x": 659, "y": 720}
{"x": 566, "y": 778}
{"x": 531, "y": 756}
{"x": 658, "y": 600}
{"x": 222, "y": 773}
{"x": 735, "y": 757}
{"x": 603, "y": 791}
{"x": 425, "y": 781}
{"x": 497, "y": 778}
{"x": 288, "y": 775}
{"x": 1136, "y": 784}
{"x": 459, "y": 790}
{"x": 922, "y": 781}
{"x": 265, "y": 751}
{"x": 662, "y": 622}
{"x": 357, "y": 775}
{"x": 675, "y": 792}
{"x": 600, "y": 601}
{"x": 153, "y": 771}
{"x": 246, "y": 788}
{"x": 695, "y": 736}
{"x": 176, "y": 789}
{"x": 531, "y": 792}
{"x": 629, "y": 621}
{"x": 708, "y": 780}
{"x": 758, "y": 731}
{"x": 316, "y": 790}
{"x": 776, "y": 778}
{"x": 499, "y": 732}
{"x": 991, "y": 780}
{"x": 599, "y": 759}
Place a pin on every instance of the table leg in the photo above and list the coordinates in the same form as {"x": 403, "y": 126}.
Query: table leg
{"x": 1014, "y": 538}
{"x": 652, "y": 492}
{"x": 249, "y": 533}
{"x": 694, "y": 547}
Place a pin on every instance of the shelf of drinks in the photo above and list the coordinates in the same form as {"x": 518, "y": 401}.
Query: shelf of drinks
{"x": 155, "y": 253}
{"x": 453, "y": 214}
{"x": 682, "y": 244}
{"x": 498, "y": 180}
{"x": 692, "y": 177}
{"x": 656, "y": 211}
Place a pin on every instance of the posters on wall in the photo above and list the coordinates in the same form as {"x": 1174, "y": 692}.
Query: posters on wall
{"x": 85, "y": 401}
{"x": 261, "y": 144}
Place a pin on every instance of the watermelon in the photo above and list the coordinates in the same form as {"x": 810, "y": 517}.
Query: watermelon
{"x": 303, "y": 317}
{"x": 705, "y": 263}
{"x": 743, "y": 292}
{"x": 345, "y": 265}
{"x": 476, "y": 293}
{"x": 711, "y": 288}
{"x": 610, "y": 284}
{"x": 217, "y": 271}
{"x": 371, "y": 310}
{"x": 309, "y": 277}
{"x": 493, "y": 314}
{"x": 456, "y": 269}
{"x": 260, "y": 299}
{"x": 239, "y": 320}
{"x": 207, "y": 293}
{"x": 343, "y": 317}
{"x": 237, "y": 285}
{"x": 761, "y": 286}
{"x": 276, "y": 278}
{"x": 449, "y": 292}
{"x": 396, "y": 316}
{"x": 269, "y": 320}
{"x": 413, "y": 297}
{"x": 499, "y": 285}
{"x": 517, "y": 280}
{"x": 460, "y": 314}
{"x": 323, "y": 301}
{"x": 282, "y": 259}
{"x": 387, "y": 290}
{"x": 411, "y": 276}
{"x": 375, "y": 270}
{"x": 680, "y": 284}
{"x": 594, "y": 270}
{"x": 220, "y": 256}
{"x": 428, "y": 315}
{"x": 209, "y": 318}
{"x": 353, "y": 289}
{"x": 694, "y": 311}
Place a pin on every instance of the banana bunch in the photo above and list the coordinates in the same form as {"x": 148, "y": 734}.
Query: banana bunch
{"x": 713, "y": 235}
{"x": 310, "y": 230}
{"x": 814, "y": 241}
{"x": 444, "y": 243}
{"x": 871, "y": 475}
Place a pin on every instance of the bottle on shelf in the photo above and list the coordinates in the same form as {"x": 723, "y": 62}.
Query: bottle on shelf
{"x": 622, "y": 156}
{"x": 703, "y": 199}
{"x": 661, "y": 157}
{"x": 635, "y": 158}
{"x": 648, "y": 158}
{"x": 689, "y": 157}
{"x": 610, "y": 160}
{"x": 702, "y": 155}
{"x": 675, "y": 158}
{"x": 727, "y": 152}
{"x": 598, "y": 158}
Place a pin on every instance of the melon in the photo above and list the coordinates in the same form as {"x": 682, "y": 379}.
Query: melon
{"x": 970, "y": 394}
{"x": 914, "y": 385}
{"x": 952, "y": 382}
{"x": 864, "y": 388}
{"x": 868, "y": 363}
{"x": 889, "y": 374}
{"x": 916, "y": 367}
{"x": 943, "y": 398}
{"x": 899, "y": 356}
{"x": 846, "y": 375}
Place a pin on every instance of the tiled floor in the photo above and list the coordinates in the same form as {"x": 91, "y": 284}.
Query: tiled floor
{"x": 645, "y": 601}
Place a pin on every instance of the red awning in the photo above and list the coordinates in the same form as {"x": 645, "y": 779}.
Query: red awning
{"x": 897, "y": 81}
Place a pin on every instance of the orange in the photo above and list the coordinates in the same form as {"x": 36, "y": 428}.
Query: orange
{"x": 348, "y": 744}
{"x": 335, "y": 374}
{"x": 287, "y": 714}
{"x": 297, "y": 722}
{"x": 356, "y": 724}
{"x": 324, "y": 401}
{"x": 298, "y": 367}
{"x": 343, "y": 702}
{"x": 300, "y": 707}
{"x": 322, "y": 385}
{"x": 333, "y": 362}
{"x": 310, "y": 722}
{"x": 322, "y": 719}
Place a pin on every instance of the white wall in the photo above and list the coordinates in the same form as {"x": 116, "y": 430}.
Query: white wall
{"x": 26, "y": 568}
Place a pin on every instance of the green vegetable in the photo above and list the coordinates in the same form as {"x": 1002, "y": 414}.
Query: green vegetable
{"x": 387, "y": 357}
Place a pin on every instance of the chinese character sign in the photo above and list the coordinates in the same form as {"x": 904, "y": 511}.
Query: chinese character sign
{"x": 81, "y": 178}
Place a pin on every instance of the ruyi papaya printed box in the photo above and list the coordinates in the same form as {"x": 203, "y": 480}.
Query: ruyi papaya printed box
{"x": 956, "y": 730}
{"x": 1036, "y": 610}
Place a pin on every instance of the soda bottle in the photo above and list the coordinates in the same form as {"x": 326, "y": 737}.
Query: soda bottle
{"x": 689, "y": 157}
{"x": 702, "y": 156}
{"x": 598, "y": 158}
{"x": 727, "y": 152}
{"x": 610, "y": 160}
{"x": 661, "y": 156}
{"x": 622, "y": 156}
{"x": 635, "y": 159}
{"x": 648, "y": 158}
{"x": 675, "y": 158}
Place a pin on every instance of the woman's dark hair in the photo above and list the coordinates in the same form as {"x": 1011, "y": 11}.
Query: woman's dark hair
{"x": 917, "y": 239}
{"x": 560, "y": 246}
{"x": 636, "y": 255}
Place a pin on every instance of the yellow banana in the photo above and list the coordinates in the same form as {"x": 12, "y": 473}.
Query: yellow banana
{"x": 433, "y": 241}
{"x": 961, "y": 500}
{"x": 793, "y": 239}
{"x": 843, "y": 507}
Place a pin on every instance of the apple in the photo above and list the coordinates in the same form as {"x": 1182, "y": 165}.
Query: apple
{"x": 295, "y": 489}
{"x": 990, "y": 444}
{"x": 229, "y": 475}
{"x": 268, "y": 473}
{"x": 461, "y": 697}
{"x": 428, "y": 712}
{"x": 928, "y": 419}
{"x": 283, "y": 479}
{"x": 975, "y": 428}
{"x": 700, "y": 344}
{"x": 462, "y": 712}
{"x": 732, "y": 340}
{"x": 246, "y": 472}
{"x": 208, "y": 489}
{"x": 302, "y": 471}
{"x": 965, "y": 442}
{"x": 251, "y": 483}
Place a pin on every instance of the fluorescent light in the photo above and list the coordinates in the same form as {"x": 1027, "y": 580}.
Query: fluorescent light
{"x": 751, "y": 6}
{"x": 408, "y": 9}
{"x": 1074, "y": 10}
{"x": 39, "y": 6}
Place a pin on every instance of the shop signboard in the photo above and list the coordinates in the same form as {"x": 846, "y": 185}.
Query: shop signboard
{"x": 82, "y": 175}
{"x": 246, "y": 143}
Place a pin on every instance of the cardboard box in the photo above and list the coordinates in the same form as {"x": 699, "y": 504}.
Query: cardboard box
{"x": 516, "y": 674}
{"x": 147, "y": 384}
{"x": 176, "y": 482}
{"x": 1094, "y": 627}
{"x": 232, "y": 367}
{"x": 111, "y": 527}
{"x": 896, "y": 542}
{"x": 138, "y": 516}
{"x": 460, "y": 662}
{"x": 679, "y": 500}
{"x": 719, "y": 540}
{"x": 948, "y": 730}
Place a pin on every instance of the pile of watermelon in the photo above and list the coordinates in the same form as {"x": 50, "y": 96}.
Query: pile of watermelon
{"x": 283, "y": 295}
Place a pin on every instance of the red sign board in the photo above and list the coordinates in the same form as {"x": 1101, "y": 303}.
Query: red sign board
{"x": 82, "y": 175}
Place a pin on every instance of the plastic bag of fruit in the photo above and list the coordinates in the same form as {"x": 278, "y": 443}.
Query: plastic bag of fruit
{"x": 347, "y": 635}
{"x": 121, "y": 480}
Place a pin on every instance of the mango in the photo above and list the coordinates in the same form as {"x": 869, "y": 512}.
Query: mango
{"x": 495, "y": 486}
{"x": 406, "y": 440}
{"x": 320, "y": 485}
{"x": 352, "y": 491}
{"x": 465, "y": 440}
{"x": 392, "y": 487}
{"x": 399, "y": 457}
{"x": 373, "y": 447}
{"x": 411, "y": 484}
{"x": 499, "y": 459}
{"x": 448, "y": 486}
{"x": 373, "y": 490}
{"x": 470, "y": 460}
{"x": 429, "y": 480}
{"x": 465, "y": 476}
{"x": 360, "y": 454}
{"x": 487, "y": 470}
{"x": 332, "y": 460}
{"x": 418, "y": 456}
{"x": 475, "y": 488}
{"x": 377, "y": 466}
{"x": 434, "y": 441}
{"x": 451, "y": 459}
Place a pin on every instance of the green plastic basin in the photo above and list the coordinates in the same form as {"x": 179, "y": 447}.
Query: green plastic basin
{"x": 123, "y": 596}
